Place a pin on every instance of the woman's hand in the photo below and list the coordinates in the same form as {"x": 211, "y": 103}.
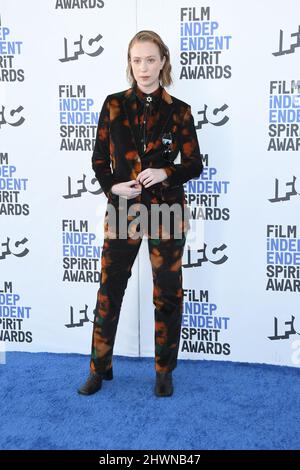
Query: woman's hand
{"x": 151, "y": 176}
{"x": 128, "y": 189}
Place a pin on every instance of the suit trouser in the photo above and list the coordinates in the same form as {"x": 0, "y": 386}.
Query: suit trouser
{"x": 118, "y": 256}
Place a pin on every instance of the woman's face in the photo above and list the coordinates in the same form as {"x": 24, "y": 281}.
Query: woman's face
{"x": 146, "y": 65}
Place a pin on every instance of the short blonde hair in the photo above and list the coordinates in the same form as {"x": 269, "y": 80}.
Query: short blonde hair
{"x": 165, "y": 74}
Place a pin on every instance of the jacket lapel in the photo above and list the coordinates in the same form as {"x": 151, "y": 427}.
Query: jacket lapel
{"x": 130, "y": 107}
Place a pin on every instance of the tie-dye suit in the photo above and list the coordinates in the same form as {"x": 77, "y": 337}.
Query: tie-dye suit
{"x": 116, "y": 159}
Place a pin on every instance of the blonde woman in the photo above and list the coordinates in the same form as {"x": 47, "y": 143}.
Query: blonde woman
{"x": 141, "y": 131}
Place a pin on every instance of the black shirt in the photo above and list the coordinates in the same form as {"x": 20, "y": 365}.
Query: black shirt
{"x": 147, "y": 109}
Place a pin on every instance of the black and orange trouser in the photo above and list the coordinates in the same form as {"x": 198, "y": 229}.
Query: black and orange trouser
{"x": 118, "y": 256}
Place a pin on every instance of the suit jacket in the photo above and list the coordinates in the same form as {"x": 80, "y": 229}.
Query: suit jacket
{"x": 116, "y": 158}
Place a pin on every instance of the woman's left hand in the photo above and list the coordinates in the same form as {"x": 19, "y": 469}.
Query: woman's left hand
{"x": 151, "y": 176}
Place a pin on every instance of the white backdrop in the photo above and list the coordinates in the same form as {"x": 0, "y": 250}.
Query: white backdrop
{"x": 243, "y": 62}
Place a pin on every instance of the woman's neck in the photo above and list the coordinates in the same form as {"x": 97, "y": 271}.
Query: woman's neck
{"x": 148, "y": 90}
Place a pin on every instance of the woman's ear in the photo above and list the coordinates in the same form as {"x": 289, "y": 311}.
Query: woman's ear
{"x": 163, "y": 62}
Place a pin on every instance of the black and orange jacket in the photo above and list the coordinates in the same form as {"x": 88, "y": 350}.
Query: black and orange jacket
{"x": 116, "y": 157}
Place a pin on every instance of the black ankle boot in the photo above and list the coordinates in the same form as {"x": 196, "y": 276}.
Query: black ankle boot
{"x": 94, "y": 382}
{"x": 163, "y": 384}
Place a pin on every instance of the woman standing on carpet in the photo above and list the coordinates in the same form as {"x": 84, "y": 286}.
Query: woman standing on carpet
{"x": 140, "y": 133}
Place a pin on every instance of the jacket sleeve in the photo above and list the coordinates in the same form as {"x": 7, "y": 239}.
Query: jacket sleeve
{"x": 101, "y": 153}
{"x": 191, "y": 162}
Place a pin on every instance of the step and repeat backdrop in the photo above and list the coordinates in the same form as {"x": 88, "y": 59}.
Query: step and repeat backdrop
{"x": 237, "y": 64}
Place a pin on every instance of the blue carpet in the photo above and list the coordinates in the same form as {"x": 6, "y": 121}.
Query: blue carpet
{"x": 216, "y": 405}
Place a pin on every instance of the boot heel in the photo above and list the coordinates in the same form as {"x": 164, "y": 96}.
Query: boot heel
{"x": 108, "y": 374}
{"x": 163, "y": 384}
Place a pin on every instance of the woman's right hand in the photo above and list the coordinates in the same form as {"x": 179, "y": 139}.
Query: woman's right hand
{"x": 127, "y": 189}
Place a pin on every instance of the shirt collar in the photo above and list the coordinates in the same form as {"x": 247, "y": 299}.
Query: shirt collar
{"x": 153, "y": 97}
